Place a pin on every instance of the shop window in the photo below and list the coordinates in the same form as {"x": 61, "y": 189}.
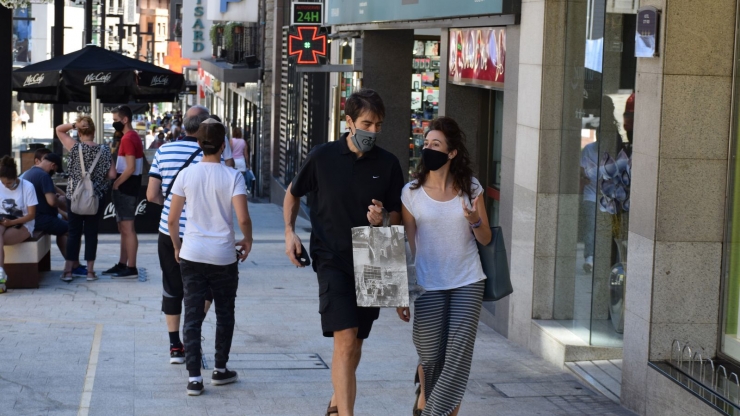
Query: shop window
{"x": 424, "y": 94}
{"x": 730, "y": 338}
{"x": 595, "y": 171}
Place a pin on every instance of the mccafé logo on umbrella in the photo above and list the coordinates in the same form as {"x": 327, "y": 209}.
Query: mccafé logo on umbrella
{"x": 99, "y": 78}
{"x": 34, "y": 79}
{"x": 160, "y": 80}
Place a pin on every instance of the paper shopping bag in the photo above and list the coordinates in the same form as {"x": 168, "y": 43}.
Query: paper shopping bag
{"x": 379, "y": 256}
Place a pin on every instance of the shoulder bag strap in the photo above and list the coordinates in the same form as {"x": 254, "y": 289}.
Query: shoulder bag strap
{"x": 190, "y": 159}
{"x": 82, "y": 158}
{"x": 95, "y": 162}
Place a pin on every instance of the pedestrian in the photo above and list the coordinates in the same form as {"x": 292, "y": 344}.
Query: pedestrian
{"x": 353, "y": 182}
{"x": 240, "y": 150}
{"x": 148, "y": 139}
{"x": 100, "y": 173}
{"x": 17, "y": 209}
{"x": 24, "y": 119}
{"x": 46, "y": 164}
{"x": 444, "y": 204}
{"x": 170, "y": 159}
{"x": 158, "y": 142}
{"x": 206, "y": 253}
{"x": 129, "y": 167}
{"x": 228, "y": 154}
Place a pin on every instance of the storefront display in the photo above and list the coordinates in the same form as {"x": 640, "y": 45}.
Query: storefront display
{"x": 478, "y": 57}
{"x": 424, "y": 95}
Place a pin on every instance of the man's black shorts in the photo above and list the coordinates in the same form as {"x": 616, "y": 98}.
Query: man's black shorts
{"x": 338, "y": 303}
{"x": 172, "y": 293}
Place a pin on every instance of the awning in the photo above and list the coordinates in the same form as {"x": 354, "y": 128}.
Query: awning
{"x": 226, "y": 72}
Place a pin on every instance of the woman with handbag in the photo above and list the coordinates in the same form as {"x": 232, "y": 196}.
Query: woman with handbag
{"x": 86, "y": 157}
{"x": 444, "y": 215}
{"x": 17, "y": 210}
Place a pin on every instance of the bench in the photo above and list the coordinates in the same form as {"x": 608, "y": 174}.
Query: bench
{"x": 24, "y": 262}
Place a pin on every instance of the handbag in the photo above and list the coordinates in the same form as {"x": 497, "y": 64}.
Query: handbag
{"x": 84, "y": 200}
{"x": 495, "y": 267}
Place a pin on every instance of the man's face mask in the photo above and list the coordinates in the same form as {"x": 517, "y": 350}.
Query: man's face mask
{"x": 118, "y": 126}
{"x": 363, "y": 140}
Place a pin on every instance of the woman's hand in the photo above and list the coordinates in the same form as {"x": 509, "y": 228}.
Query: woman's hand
{"x": 8, "y": 223}
{"x": 471, "y": 215}
{"x": 177, "y": 254}
{"x": 404, "y": 314}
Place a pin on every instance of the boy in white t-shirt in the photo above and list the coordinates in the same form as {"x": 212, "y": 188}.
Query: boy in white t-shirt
{"x": 206, "y": 254}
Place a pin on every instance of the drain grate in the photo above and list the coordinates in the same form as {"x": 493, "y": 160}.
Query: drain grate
{"x": 539, "y": 389}
{"x": 276, "y": 361}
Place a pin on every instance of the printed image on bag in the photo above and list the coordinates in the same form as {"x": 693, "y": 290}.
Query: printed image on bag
{"x": 379, "y": 256}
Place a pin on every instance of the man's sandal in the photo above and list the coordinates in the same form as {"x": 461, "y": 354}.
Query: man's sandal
{"x": 330, "y": 410}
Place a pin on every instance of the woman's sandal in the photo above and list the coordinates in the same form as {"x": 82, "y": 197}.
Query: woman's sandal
{"x": 330, "y": 410}
{"x": 67, "y": 276}
{"x": 91, "y": 276}
{"x": 417, "y": 411}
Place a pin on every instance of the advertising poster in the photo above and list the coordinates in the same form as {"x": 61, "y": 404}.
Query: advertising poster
{"x": 478, "y": 57}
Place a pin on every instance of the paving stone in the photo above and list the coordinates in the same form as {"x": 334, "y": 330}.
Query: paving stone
{"x": 49, "y": 332}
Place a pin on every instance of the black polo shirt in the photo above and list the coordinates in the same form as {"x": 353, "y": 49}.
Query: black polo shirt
{"x": 343, "y": 187}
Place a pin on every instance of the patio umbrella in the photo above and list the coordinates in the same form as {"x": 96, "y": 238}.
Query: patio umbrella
{"x": 116, "y": 78}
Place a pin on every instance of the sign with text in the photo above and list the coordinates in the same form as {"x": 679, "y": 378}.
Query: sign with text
{"x": 196, "y": 41}
{"x": 341, "y": 12}
{"x": 477, "y": 57}
{"x": 303, "y": 14}
{"x": 646, "y": 36}
{"x": 233, "y": 10}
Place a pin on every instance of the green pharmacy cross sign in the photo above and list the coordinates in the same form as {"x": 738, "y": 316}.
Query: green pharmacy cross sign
{"x": 307, "y": 44}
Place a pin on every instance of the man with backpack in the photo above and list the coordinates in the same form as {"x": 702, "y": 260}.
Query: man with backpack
{"x": 170, "y": 159}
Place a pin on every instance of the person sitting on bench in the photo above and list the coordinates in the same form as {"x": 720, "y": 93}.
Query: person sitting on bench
{"x": 17, "y": 209}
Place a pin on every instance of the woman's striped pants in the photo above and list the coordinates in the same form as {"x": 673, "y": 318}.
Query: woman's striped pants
{"x": 445, "y": 325}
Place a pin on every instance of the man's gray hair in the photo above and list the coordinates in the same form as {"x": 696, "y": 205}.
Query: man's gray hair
{"x": 191, "y": 123}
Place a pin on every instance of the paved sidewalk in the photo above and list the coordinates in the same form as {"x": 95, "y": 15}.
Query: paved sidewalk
{"x": 101, "y": 348}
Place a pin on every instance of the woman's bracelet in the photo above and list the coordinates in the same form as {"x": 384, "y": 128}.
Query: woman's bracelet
{"x": 477, "y": 224}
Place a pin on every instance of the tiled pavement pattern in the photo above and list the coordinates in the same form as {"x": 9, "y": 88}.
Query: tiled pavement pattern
{"x": 47, "y": 336}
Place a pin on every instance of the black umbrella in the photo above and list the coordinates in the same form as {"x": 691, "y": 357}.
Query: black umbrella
{"x": 68, "y": 78}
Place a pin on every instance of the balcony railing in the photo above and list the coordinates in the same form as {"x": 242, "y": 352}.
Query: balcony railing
{"x": 245, "y": 43}
{"x": 115, "y": 11}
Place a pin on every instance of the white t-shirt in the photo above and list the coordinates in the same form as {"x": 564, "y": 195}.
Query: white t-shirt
{"x": 446, "y": 251}
{"x": 17, "y": 201}
{"x": 209, "y": 231}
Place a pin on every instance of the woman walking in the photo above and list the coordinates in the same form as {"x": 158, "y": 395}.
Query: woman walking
{"x": 17, "y": 210}
{"x": 444, "y": 204}
{"x": 97, "y": 163}
{"x": 240, "y": 150}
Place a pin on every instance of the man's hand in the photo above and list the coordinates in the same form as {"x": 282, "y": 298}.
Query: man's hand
{"x": 246, "y": 248}
{"x": 293, "y": 247}
{"x": 375, "y": 213}
{"x": 404, "y": 314}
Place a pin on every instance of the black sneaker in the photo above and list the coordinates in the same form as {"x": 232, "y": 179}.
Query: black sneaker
{"x": 115, "y": 269}
{"x": 126, "y": 273}
{"x": 228, "y": 376}
{"x": 177, "y": 355}
{"x": 195, "y": 388}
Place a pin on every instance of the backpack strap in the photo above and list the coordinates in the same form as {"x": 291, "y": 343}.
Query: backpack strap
{"x": 187, "y": 163}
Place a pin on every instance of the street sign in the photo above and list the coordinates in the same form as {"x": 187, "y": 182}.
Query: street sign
{"x": 307, "y": 44}
{"x": 304, "y": 14}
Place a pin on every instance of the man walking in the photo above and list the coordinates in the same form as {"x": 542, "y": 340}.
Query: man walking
{"x": 206, "y": 252}
{"x": 125, "y": 194}
{"x": 354, "y": 183}
{"x": 169, "y": 160}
